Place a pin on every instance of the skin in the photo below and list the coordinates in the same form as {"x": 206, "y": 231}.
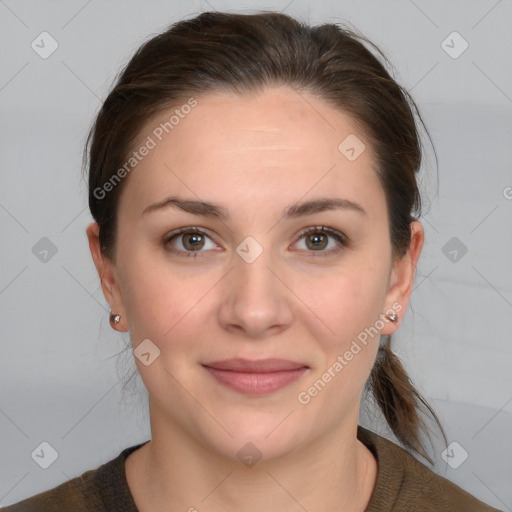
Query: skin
{"x": 254, "y": 155}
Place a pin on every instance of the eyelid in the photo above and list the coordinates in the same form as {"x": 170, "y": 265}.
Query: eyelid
{"x": 324, "y": 229}
{"x": 186, "y": 229}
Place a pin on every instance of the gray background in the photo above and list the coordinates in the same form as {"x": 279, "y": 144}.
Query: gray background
{"x": 61, "y": 379}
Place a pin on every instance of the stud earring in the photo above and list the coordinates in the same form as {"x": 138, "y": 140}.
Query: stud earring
{"x": 393, "y": 318}
{"x": 114, "y": 318}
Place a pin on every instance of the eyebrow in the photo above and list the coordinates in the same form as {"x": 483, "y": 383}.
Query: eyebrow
{"x": 208, "y": 209}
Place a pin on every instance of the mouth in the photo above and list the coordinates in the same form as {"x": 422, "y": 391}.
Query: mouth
{"x": 255, "y": 377}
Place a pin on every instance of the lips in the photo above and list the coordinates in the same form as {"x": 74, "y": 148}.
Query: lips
{"x": 252, "y": 377}
{"x": 255, "y": 366}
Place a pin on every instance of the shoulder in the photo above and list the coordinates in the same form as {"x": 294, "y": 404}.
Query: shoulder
{"x": 101, "y": 489}
{"x": 404, "y": 483}
{"x": 77, "y": 494}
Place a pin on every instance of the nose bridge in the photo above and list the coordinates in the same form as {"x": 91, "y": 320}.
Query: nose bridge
{"x": 255, "y": 282}
{"x": 256, "y": 298}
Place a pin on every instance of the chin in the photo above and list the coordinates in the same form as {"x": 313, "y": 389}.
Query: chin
{"x": 254, "y": 434}
{"x": 252, "y": 449}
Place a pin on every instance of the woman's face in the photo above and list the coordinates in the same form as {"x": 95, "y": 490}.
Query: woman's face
{"x": 246, "y": 285}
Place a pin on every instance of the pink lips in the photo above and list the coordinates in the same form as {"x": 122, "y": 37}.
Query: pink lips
{"x": 255, "y": 377}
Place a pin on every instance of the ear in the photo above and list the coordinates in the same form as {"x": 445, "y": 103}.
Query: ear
{"x": 108, "y": 276}
{"x": 402, "y": 278}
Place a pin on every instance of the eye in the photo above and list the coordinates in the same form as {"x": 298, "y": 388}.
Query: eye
{"x": 316, "y": 240}
{"x": 189, "y": 241}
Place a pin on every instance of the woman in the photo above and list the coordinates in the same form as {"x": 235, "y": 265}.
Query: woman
{"x": 253, "y": 183}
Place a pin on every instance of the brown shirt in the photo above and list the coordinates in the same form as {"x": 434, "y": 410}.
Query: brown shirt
{"x": 403, "y": 485}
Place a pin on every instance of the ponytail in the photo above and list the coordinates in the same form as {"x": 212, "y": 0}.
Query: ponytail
{"x": 399, "y": 400}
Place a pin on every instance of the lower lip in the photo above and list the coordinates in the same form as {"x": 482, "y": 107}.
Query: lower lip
{"x": 256, "y": 383}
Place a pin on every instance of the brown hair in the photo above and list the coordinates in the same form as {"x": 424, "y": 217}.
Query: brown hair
{"x": 243, "y": 53}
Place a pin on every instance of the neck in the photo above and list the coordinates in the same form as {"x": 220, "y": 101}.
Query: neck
{"x": 174, "y": 472}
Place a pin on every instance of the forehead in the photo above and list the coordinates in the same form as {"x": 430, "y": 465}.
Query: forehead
{"x": 254, "y": 151}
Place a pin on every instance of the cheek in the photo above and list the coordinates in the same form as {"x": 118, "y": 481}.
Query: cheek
{"x": 350, "y": 304}
{"x": 351, "y": 308}
{"x": 155, "y": 300}
{"x": 169, "y": 309}
{"x": 347, "y": 302}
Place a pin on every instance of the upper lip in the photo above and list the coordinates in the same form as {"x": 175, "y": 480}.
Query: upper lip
{"x": 255, "y": 366}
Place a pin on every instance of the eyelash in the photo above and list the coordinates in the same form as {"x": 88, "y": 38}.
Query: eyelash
{"x": 339, "y": 237}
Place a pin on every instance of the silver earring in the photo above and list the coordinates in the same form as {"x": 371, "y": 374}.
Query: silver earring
{"x": 393, "y": 318}
{"x": 114, "y": 318}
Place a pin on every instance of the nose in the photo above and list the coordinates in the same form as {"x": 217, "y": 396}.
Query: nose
{"x": 257, "y": 303}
